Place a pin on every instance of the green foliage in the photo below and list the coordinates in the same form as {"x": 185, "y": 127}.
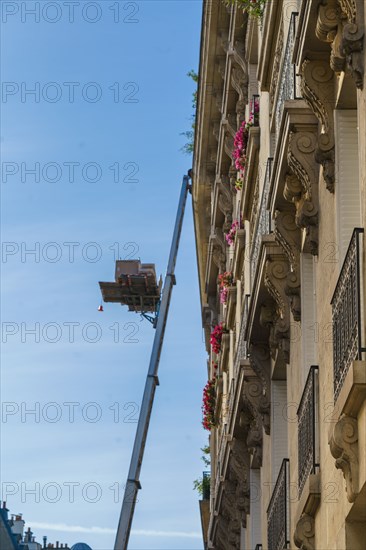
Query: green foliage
{"x": 189, "y": 134}
{"x": 202, "y": 485}
{"x": 255, "y": 8}
{"x": 206, "y": 455}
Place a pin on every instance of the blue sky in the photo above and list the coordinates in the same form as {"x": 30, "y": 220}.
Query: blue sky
{"x": 79, "y": 364}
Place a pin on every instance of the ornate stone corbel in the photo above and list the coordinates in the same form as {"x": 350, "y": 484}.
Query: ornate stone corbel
{"x": 225, "y": 203}
{"x": 353, "y": 38}
{"x": 229, "y": 145}
{"x": 216, "y": 130}
{"x": 275, "y": 280}
{"x": 224, "y": 40}
{"x": 218, "y": 95}
{"x": 304, "y": 536}
{"x": 218, "y": 250}
{"x": 317, "y": 86}
{"x": 240, "y": 110}
{"x": 340, "y": 24}
{"x": 239, "y": 471}
{"x": 259, "y": 358}
{"x": 253, "y": 402}
{"x": 288, "y": 236}
{"x": 237, "y": 53}
{"x": 222, "y": 541}
{"x": 227, "y": 124}
{"x": 221, "y": 65}
{"x": 239, "y": 80}
{"x": 267, "y": 318}
{"x": 301, "y": 162}
{"x": 230, "y": 512}
{"x": 344, "y": 448}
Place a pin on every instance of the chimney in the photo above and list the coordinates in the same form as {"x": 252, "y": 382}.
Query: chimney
{"x": 18, "y": 525}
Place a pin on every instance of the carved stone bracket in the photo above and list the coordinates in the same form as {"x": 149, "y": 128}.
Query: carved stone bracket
{"x": 218, "y": 250}
{"x": 221, "y": 65}
{"x": 304, "y": 536}
{"x": 229, "y": 145}
{"x": 225, "y": 202}
{"x": 344, "y": 448}
{"x": 275, "y": 280}
{"x": 340, "y": 24}
{"x": 256, "y": 414}
{"x": 304, "y": 192}
{"x": 288, "y": 236}
{"x": 259, "y": 358}
{"x": 240, "y": 81}
{"x": 231, "y": 513}
{"x": 317, "y": 86}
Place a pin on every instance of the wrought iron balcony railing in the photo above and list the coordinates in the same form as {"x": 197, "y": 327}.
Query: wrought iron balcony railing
{"x": 347, "y": 313}
{"x": 262, "y": 223}
{"x": 308, "y": 442}
{"x": 278, "y": 511}
{"x": 206, "y": 485}
{"x": 287, "y": 80}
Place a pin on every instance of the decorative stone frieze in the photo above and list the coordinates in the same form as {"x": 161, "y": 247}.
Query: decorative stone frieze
{"x": 344, "y": 448}
{"x": 340, "y": 24}
{"x": 304, "y": 536}
{"x": 288, "y": 236}
{"x": 318, "y": 90}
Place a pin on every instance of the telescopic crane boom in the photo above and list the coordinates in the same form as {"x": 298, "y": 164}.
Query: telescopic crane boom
{"x": 133, "y": 480}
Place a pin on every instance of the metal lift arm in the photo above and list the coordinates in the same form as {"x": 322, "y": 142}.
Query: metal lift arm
{"x": 133, "y": 481}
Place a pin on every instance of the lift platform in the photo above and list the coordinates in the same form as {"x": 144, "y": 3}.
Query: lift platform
{"x": 135, "y": 286}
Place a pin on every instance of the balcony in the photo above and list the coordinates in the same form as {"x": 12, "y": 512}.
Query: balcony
{"x": 262, "y": 223}
{"x": 205, "y": 505}
{"x": 278, "y": 511}
{"x": 287, "y": 78}
{"x": 308, "y": 439}
{"x": 347, "y": 314}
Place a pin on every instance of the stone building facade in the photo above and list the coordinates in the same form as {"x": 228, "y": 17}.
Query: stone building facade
{"x": 279, "y": 185}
